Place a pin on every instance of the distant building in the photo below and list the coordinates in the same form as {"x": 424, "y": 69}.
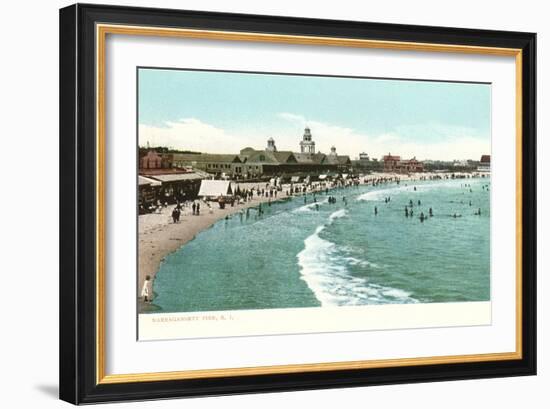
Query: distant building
{"x": 460, "y": 163}
{"x": 256, "y": 163}
{"x": 364, "y": 157}
{"x": 271, "y": 145}
{"x": 153, "y": 160}
{"x": 390, "y": 162}
{"x": 484, "y": 163}
{"x": 307, "y": 145}
{"x": 217, "y": 164}
{"x": 394, "y": 164}
{"x": 365, "y": 164}
{"x": 252, "y": 163}
{"x": 410, "y": 166}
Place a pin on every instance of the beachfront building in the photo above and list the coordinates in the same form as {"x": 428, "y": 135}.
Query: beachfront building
{"x": 367, "y": 164}
{"x": 307, "y": 145}
{"x": 484, "y": 163}
{"x": 153, "y": 160}
{"x": 258, "y": 163}
{"x": 270, "y": 162}
{"x": 364, "y": 158}
{"x": 391, "y": 162}
{"x": 271, "y": 145}
{"x": 219, "y": 165}
{"x": 148, "y": 192}
{"x": 410, "y": 166}
{"x": 254, "y": 164}
{"x": 394, "y": 164}
{"x": 168, "y": 185}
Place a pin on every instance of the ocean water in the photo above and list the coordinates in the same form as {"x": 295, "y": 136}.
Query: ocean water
{"x": 295, "y": 255}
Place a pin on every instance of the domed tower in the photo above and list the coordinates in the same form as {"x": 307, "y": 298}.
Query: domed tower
{"x": 271, "y": 145}
{"x": 333, "y": 151}
{"x": 306, "y": 144}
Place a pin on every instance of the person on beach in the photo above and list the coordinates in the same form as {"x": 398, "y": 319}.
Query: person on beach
{"x": 145, "y": 289}
{"x": 198, "y": 208}
{"x": 175, "y": 215}
{"x": 194, "y": 207}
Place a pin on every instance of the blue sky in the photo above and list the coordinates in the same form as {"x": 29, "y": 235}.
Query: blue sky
{"x": 224, "y": 112}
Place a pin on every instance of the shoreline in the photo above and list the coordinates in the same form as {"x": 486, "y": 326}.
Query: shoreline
{"x": 158, "y": 236}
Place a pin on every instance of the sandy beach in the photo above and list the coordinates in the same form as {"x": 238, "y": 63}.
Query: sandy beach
{"x": 159, "y": 236}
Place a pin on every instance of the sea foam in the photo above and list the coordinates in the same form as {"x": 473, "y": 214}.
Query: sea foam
{"x": 309, "y": 207}
{"x": 324, "y": 269}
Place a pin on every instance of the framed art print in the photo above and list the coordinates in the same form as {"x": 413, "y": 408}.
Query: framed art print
{"x": 258, "y": 203}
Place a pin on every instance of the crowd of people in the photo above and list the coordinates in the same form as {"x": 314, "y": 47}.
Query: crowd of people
{"x": 245, "y": 193}
{"x": 409, "y": 211}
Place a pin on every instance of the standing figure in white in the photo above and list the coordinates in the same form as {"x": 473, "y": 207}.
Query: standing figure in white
{"x": 145, "y": 290}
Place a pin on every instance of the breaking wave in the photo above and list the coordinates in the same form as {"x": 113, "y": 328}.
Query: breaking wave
{"x": 324, "y": 269}
{"x": 309, "y": 207}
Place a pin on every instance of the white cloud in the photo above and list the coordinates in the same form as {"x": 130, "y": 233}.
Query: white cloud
{"x": 456, "y": 142}
{"x": 193, "y": 134}
{"x": 190, "y": 134}
{"x": 292, "y": 117}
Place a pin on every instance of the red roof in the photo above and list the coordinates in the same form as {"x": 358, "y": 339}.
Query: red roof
{"x": 390, "y": 157}
{"x": 485, "y": 159}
